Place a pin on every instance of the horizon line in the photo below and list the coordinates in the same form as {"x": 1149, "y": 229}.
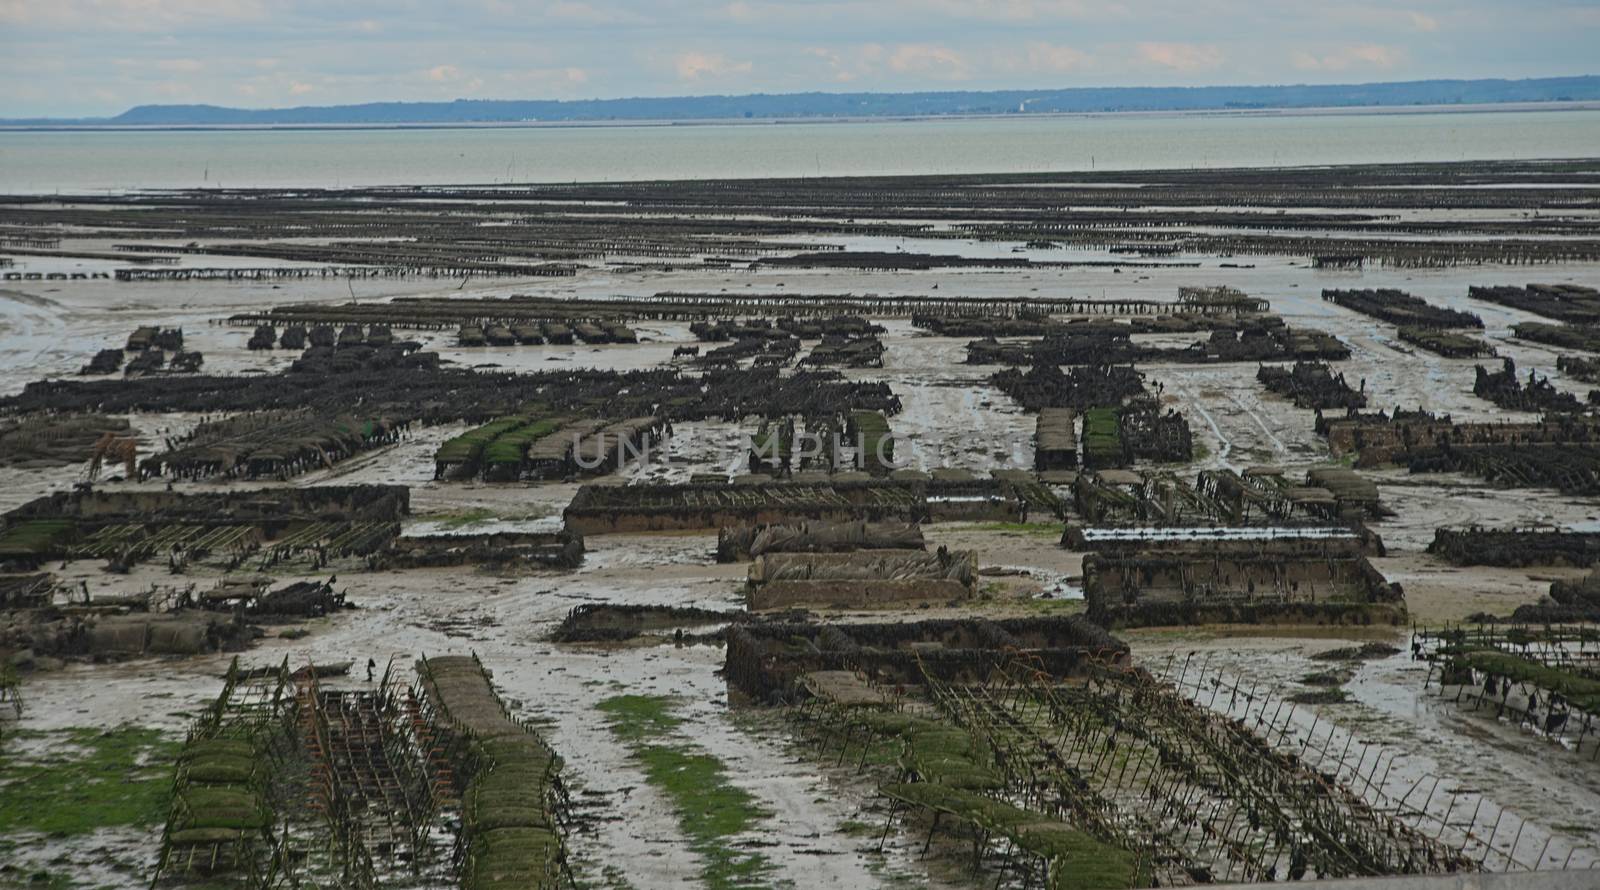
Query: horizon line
{"x": 994, "y": 92}
{"x": 1554, "y": 106}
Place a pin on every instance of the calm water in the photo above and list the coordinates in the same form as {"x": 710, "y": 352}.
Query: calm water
{"x": 78, "y": 162}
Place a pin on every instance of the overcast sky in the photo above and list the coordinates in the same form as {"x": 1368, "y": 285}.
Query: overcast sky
{"x": 93, "y": 57}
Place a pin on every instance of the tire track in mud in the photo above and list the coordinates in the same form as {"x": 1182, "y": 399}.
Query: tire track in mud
{"x": 1228, "y": 441}
{"x": 1225, "y": 445}
{"x": 31, "y": 330}
{"x": 1277, "y": 444}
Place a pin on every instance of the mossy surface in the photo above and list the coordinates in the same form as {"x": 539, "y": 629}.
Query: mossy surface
{"x": 76, "y": 781}
{"x": 468, "y": 447}
{"x": 35, "y": 537}
{"x": 511, "y": 447}
{"x": 464, "y": 518}
{"x": 1580, "y": 691}
{"x": 709, "y": 809}
{"x": 1102, "y": 437}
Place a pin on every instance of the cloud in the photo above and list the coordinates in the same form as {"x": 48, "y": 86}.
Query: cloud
{"x": 134, "y": 66}
{"x": 1364, "y": 55}
{"x": 692, "y": 66}
{"x": 1186, "y": 57}
{"x": 127, "y": 15}
{"x": 1366, "y": 21}
{"x": 174, "y": 89}
{"x": 844, "y": 67}
{"x": 930, "y": 60}
{"x": 1050, "y": 57}
{"x": 299, "y": 88}
{"x": 58, "y": 53}
{"x": 1018, "y": 10}
{"x": 590, "y": 14}
{"x": 180, "y": 66}
{"x": 1422, "y": 22}
{"x": 563, "y": 80}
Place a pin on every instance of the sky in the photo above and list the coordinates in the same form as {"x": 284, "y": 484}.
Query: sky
{"x": 68, "y": 58}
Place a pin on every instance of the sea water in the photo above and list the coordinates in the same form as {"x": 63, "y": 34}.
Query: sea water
{"x": 89, "y": 161}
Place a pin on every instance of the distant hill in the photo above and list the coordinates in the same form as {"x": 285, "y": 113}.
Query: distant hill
{"x": 838, "y": 105}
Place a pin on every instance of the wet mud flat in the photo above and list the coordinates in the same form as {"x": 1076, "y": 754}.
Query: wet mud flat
{"x": 648, "y": 736}
{"x": 1420, "y": 216}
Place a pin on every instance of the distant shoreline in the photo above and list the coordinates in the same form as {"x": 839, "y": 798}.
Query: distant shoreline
{"x": 1281, "y": 112}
